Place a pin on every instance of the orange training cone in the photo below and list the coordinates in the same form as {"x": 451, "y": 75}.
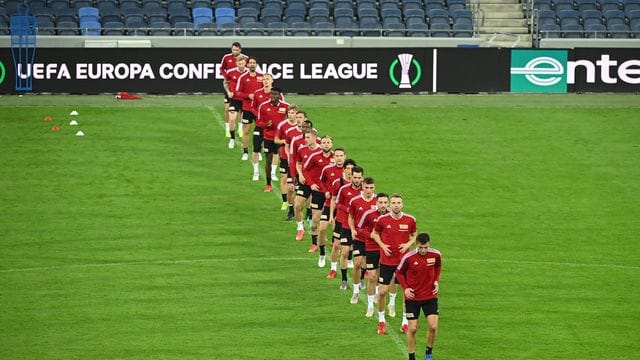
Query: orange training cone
{"x": 55, "y": 128}
{"x": 47, "y": 118}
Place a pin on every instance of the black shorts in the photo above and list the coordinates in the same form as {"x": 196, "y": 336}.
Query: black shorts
{"x": 325, "y": 214}
{"x": 317, "y": 200}
{"x": 271, "y": 147}
{"x": 235, "y": 105}
{"x": 429, "y": 307}
{"x": 345, "y": 236}
{"x": 248, "y": 117}
{"x": 337, "y": 229}
{"x": 358, "y": 248}
{"x": 373, "y": 259}
{"x": 257, "y": 139}
{"x": 284, "y": 166}
{"x": 226, "y": 97}
{"x": 386, "y": 274}
{"x": 303, "y": 191}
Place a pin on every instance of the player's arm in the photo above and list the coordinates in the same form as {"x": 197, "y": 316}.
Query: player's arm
{"x": 375, "y": 235}
{"x": 406, "y": 246}
{"x": 352, "y": 224}
{"x": 436, "y": 275}
{"x": 299, "y": 171}
{"x": 402, "y": 280}
{"x": 239, "y": 90}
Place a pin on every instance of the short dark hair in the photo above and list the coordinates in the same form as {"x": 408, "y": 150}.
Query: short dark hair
{"x": 302, "y": 112}
{"x": 277, "y": 89}
{"x": 382, "y": 195}
{"x": 423, "y": 238}
{"x": 369, "y": 180}
{"x": 357, "y": 169}
{"x": 349, "y": 162}
{"x": 252, "y": 58}
{"x": 308, "y": 122}
{"x": 236, "y": 44}
{"x": 396, "y": 195}
{"x": 340, "y": 148}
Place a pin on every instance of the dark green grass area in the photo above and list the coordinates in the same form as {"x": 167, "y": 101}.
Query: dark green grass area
{"x": 146, "y": 238}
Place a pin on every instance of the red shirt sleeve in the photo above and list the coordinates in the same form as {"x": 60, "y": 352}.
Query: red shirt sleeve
{"x": 401, "y": 272}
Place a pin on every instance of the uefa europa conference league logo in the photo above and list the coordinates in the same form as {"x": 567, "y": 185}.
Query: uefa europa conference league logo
{"x": 405, "y": 60}
{"x": 538, "y": 71}
{"x": 3, "y": 72}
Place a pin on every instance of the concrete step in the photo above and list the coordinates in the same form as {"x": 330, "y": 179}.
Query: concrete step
{"x": 505, "y": 22}
{"x": 499, "y": 40}
{"x": 483, "y": 2}
{"x": 503, "y": 29}
{"x": 502, "y": 15}
{"x": 509, "y": 44}
{"x": 492, "y": 8}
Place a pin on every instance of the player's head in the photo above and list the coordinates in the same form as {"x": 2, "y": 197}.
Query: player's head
{"x": 267, "y": 80}
{"x": 301, "y": 116}
{"x": 357, "y": 174}
{"x": 339, "y": 156}
{"x": 306, "y": 126}
{"x": 368, "y": 186}
{"x": 274, "y": 96}
{"x": 382, "y": 201}
{"x": 252, "y": 64}
{"x": 326, "y": 143}
{"x": 291, "y": 113}
{"x": 310, "y": 137}
{"x": 241, "y": 62}
{"x": 422, "y": 243}
{"x": 236, "y": 48}
{"x": 348, "y": 166}
{"x": 396, "y": 203}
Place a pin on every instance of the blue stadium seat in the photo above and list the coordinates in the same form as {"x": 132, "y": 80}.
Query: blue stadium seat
{"x": 368, "y": 13}
{"x": 438, "y": 16}
{"x": 606, "y": 5}
{"x": 156, "y": 14}
{"x": 418, "y": 30}
{"x": 614, "y": 17}
{"x": 414, "y": 13}
{"x": 542, "y": 4}
{"x": 317, "y": 15}
{"x": 560, "y": 5}
{"x": 160, "y": 28}
{"x": 227, "y": 29}
{"x": 595, "y": 31}
{"x": 54, "y": 4}
{"x": 207, "y": 29}
{"x": 582, "y": 5}
{"x": 324, "y": 28}
{"x": 550, "y": 31}
{"x": 619, "y": 31}
{"x": 90, "y": 28}
{"x": 277, "y": 28}
{"x": 68, "y": 28}
{"x": 113, "y": 28}
{"x": 370, "y": 27}
{"x": 588, "y": 17}
{"x": 151, "y": 4}
{"x": 572, "y": 31}
{"x": 440, "y": 30}
{"x": 568, "y": 17}
{"x": 254, "y": 29}
{"x": 201, "y": 15}
{"x": 319, "y": 4}
{"x": 345, "y": 26}
{"x": 247, "y": 14}
{"x": 342, "y": 4}
{"x": 302, "y": 28}
{"x": 219, "y": 4}
{"x": 184, "y": 28}
{"x": 129, "y": 4}
{"x": 78, "y": 3}
{"x": 200, "y": 4}
{"x": 225, "y": 15}
{"x": 88, "y": 14}
{"x": 462, "y": 30}
{"x": 394, "y": 30}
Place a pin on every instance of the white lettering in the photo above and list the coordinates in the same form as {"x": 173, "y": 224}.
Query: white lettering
{"x": 81, "y": 71}
{"x": 589, "y": 67}
{"x": 107, "y": 71}
{"x": 147, "y": 72}
{"x": 64, "y": 72}
{"x": 287, "y": 71}
{"x": 629, "y": 68}
{"x": 605, "y": 74}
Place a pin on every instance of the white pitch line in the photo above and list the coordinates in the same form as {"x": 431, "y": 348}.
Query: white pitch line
{"x": 554, "y": 263}
{"x": 390, "y": 330}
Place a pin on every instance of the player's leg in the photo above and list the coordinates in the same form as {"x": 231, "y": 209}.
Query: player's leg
{"x": 372, "y": 259}
{"x": 412, "y": 329}
{"x": 335, "y": 250}
{"x": 358, "y": 256}
{"x": 247, "y": 121}
{"x": 386, "y": 275}
{"x": 226, "y": 116}
{"x": 393, "y": 291}
{"x": 322, "y": 235}
{"x": 302, "y": 195}
{"x": 317, "y": 205}
{"x": 345, "y": 248}
{"x": 257, "y": 148}
{"x": 291, "y": 197}
{"x": 431, "y": 310}
{"x": 274, "y": 166}
{"x": 234, "y": 111}
{"x": 269, "y": 147}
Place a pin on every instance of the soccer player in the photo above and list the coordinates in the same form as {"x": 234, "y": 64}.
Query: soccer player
{"x": 365, "y": 227}
{"x": 228, "y": 62}
{"x": 394, "y": 233}
{"x": 329, "y": 174}
{"x": 270, "y": 114}
{"x": 358, "y": 206}
{"x": 348, "y": 166}
{"x": 235, "y": 102}
{"x": 304, "y": 190}
{"x": 259, "y": 97}
{"x": 247, "y": 85}
{"x": 291, "y": 135}
{"x": 298, "y": 143}
{"x": 312, "y": 169}
{"x": 419, "y": 273}
{"x": 343, "y": 198}
{"x": 286, "y": 182}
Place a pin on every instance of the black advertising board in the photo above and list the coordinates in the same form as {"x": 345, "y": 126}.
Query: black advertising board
{"x": 605, "y": 70}
{"x": 472, "y": 70}
{"x": 173, "y": 70}
{"x": 331, "y": 70}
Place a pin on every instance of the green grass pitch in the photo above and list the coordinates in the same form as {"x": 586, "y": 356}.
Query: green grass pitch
{"x": 147, "y": 239}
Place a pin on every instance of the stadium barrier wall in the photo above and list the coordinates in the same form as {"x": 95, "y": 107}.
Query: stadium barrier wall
{"x": 330, "y": 70}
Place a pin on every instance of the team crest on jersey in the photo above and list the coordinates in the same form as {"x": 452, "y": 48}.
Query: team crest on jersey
{"x": 259, "y": 78}
{"x": 404, "y": 227}
{"x": 282, "y": 110}
{"x": 431, "y": 260}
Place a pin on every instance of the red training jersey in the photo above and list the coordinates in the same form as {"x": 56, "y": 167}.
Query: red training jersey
{"x": 228, "y": 62}
{"x": 246, "y": 85}
{"x": 419, "y": 272}
{"x": 358, "y": 206}
{"x": 281, "y": 133}
{"x": 269, "y": 117}
{"x": 260, "y": 96}
{"x": 343, "y": 198}
{"x": 303, "y": 153}
{"x": 232, "y": 76}
{"x": 394, "y": 232}
{"x": 329, "y": 174}
{"x": 312, "y": 168}
{"x": 365, "y": 226}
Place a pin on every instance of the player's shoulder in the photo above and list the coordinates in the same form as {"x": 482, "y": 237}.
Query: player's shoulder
{"x": 410, "y": 217}
{"x": 434, "y": 251}
{"x": 384, "y": 216}
{"x": 406, "y": 256}
{"x": 355, "y": 198}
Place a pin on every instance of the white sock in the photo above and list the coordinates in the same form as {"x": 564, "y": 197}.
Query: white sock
{"x": 255, "y": 168}
{"x": 273, "y": 169}
{"x": 370, "y": 299}
{"x": 381, "y": 316}
{"x": 226, "y": 126}
{"x": 356, "y": 288}
{"x": 392, "y": 299}
{"x": 377, "y": 288}
{"x": 300, "y": 225}
{"x": 334, "y": 266}
{"x": 404, "y": 318}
